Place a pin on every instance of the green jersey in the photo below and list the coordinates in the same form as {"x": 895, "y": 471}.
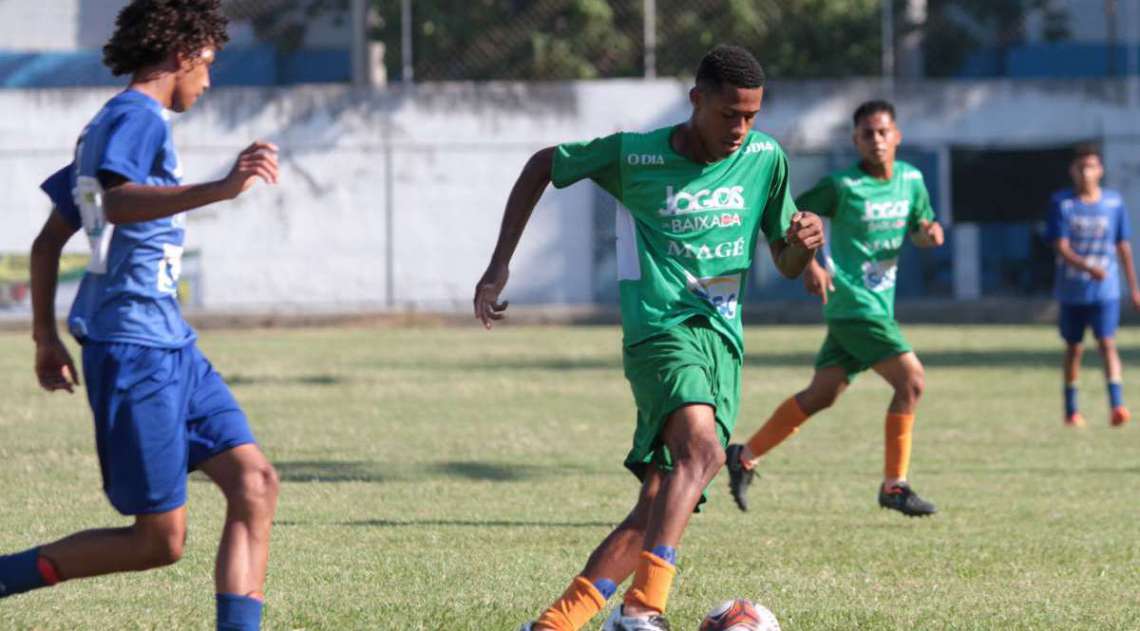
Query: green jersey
{"x": 686, "y": 232}
{"x": 870, "y": 219}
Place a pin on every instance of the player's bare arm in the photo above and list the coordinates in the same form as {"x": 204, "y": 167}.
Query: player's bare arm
{"x": 929, "y": 234}
{"x": 797, "y": 249}
{"x": 817, "y": 280}
{"x": 128, "y": 202}
{"x": 55, "y": 369}
{"x": 1075, "y": 260}
{"x": 1124, "y": 252}
{"x": 524, "y": 196}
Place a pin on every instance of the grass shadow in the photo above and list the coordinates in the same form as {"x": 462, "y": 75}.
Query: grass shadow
{"x": 991, "y": 358}
{"x": 489, "y": 472}
{"x": 284, "y": 380}
{"x": 472, "y": 523}
{"x": 333, "y": 471}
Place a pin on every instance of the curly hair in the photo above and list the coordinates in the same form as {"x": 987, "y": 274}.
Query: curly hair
{"x": 146, "y": 31}
{"x": 730, "y": 65}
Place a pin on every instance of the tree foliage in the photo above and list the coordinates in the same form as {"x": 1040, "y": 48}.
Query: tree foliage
{"x": 586, "y": 39}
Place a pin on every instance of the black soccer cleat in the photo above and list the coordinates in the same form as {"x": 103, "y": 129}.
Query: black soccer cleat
{"x": 902, "y": 498}
{"x": 739, "y": 478}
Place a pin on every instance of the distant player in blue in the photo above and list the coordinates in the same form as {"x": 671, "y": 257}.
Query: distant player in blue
{"x": 1088, "y": 226}
{"x": 160, "y": 408}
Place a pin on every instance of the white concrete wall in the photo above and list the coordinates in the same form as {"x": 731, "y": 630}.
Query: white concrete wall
{"x": 436, "y": 163}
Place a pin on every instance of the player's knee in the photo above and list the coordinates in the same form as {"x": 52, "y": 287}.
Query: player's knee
{"x": 825, "y": 399}
{"x": 912, "y": 387}
{"x": 703, "y": 460}
{"x": 162, "y": 546}
{"x": 257, "y": 488}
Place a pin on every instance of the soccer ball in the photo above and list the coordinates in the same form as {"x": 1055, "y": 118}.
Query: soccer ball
{"x": 740, "y": 615}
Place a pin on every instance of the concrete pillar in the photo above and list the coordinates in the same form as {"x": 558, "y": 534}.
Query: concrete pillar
{"x": 967, "y": 261}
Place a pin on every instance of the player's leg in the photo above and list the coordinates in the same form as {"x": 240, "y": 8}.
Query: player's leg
{"x": 834, "y": 367}
{"x": 222, "y": 446}
{"x": 250, "y": 486}
{"x": 1105, "y": 320}
{"x": 826, "y": 385}
{"x": 1071, "y": 324}
{"x": 152, "y": 541}
{"x": 137, "y": 404}
{"x": 697, "y": 455}
{"x": 609, "y": 565}
{"x": 906, "y": 376}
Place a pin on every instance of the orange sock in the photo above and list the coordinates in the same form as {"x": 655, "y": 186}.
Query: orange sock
{"x": 897, "y": 452}
{"x": 651, "y": 583}
{"x": 784, "y": 422}
{"x": 580, "y": 602}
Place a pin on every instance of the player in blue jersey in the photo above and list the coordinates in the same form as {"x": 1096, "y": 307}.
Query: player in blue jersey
{"x": 160, "y": 409}
{"x": 1088, "y": 226}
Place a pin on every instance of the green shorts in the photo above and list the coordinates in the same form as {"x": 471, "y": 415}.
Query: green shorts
{"x": 690, "y": 363}
{"x": 856, "y": 345}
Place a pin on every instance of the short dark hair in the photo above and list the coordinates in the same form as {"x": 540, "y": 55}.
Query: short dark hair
{"x": 146, "y": 31}
{"x": 872, "y": 107}
{"x": 1085, "y": 150}
{"x": 729, "y": 65}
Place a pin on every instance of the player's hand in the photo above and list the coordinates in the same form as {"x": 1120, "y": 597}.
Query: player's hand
{"x": 806, "y": 231}
{"x": 54, "y": 367}
{"x": 1098, "y": 273}
{"x": 932, "y": 233}
{"x": 258, "y": 160}
{"x": 817, "y": 281}
{"x": 487, "y": 290}
{"x": 1136, "y": 300}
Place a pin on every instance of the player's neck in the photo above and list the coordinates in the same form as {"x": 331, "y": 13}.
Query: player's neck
{"x": 881, "y": 171}
{"x": 1090, "y": 195}
{"x": 687, "y": 143}
{"x": 157, "y": 85}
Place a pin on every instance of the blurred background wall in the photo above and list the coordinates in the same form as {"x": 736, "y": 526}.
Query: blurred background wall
{"x": 403, "y": 125}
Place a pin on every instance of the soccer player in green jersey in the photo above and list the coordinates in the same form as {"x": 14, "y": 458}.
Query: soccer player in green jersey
{"x": 694, "y": 199}
{"x": 872, "y": 206}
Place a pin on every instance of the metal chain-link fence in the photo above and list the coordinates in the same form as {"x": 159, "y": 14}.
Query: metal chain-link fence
{"x": 440, "y": 40}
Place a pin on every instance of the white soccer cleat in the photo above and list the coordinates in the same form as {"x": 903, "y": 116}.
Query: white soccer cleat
{"x": 619, "y": 622}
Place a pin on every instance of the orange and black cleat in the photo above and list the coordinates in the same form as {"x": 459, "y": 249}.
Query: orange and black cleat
{"x": 901, "y": 497}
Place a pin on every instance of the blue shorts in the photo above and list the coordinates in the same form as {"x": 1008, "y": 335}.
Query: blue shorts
{"x": 1103, "y": 317}
{"x": 159, "y": 413}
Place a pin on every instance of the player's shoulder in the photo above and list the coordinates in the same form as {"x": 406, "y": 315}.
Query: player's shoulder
{"x": 908, "y": 172}
{"x": 132, "y": 105}
{"x": 1111, "y": 198}
{"x": 845, "y": 178}
{"x": 642, "y": 148}
{"x": 757, "y": 143}
{"x": 1062, "y": 198}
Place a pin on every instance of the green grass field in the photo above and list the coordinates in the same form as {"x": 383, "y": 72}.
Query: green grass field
{"x": 449, "y": 478}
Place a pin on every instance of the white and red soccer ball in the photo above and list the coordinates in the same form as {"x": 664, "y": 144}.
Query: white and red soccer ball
{"x": 740, "y": 614}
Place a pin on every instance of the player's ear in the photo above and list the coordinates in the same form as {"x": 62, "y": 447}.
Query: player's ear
{"x": 695, "y": 97}
{"x": 178, "y": 60}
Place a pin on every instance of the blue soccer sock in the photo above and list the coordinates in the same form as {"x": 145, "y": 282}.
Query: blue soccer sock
{"x": 21, "y": 573}
{"x": 666, "y": 553}
{"x": 238, "y": 613}
{"x": 1070, "y": 399}
{"x": 605, "y": 587}
{"x": 1115, "y": 394}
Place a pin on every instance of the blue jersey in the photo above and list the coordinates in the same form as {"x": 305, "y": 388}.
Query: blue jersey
{"x": 129, "y": 293}
{"x": 1093, "y": 230}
